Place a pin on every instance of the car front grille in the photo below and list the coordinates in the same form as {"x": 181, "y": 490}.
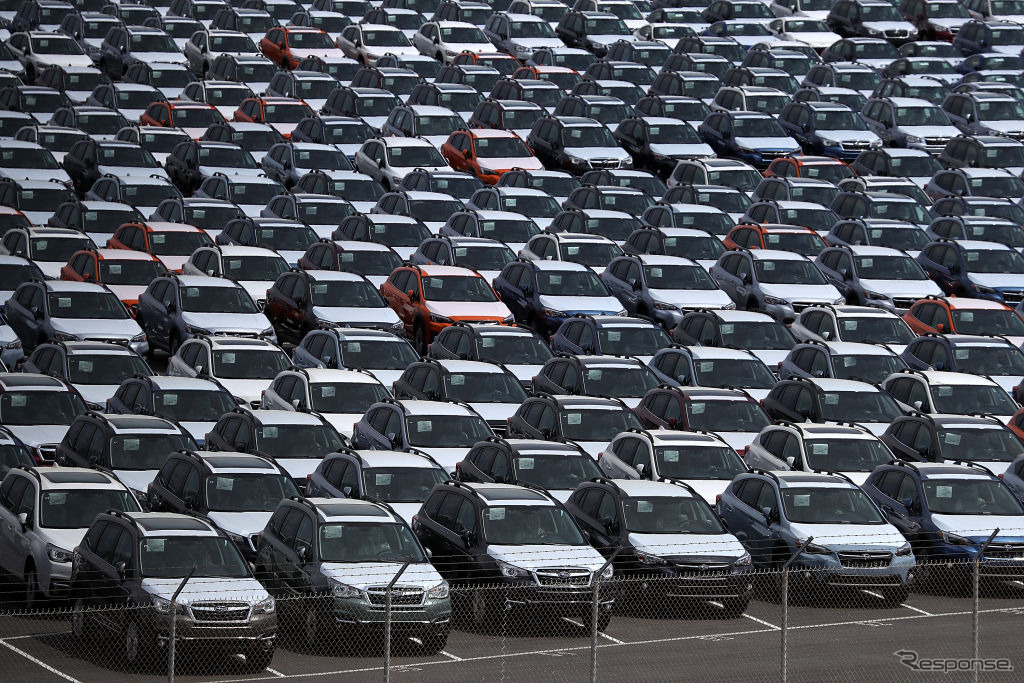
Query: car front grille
{"x": 897, "y": 33}
{"x": 1013, "y": 297}
{"x": 1005, "y": 551}
{"x": 220, "y": 612}
{"x": 773, "y": 153}
{"x": 400, "y": 595}
{"x": 867, "y": 559}
{"x": 903, "y": 302}
{"x": 936, "y": 142}
{"x": 801, "y": 305}
{"x": 557, "y": 576}
{"x": 120, "y": 341}
{"x": 604, "y": 163}
{"x": 704, "y": 566}
{"x": 243, "y": 335}
{"x": 856, "y": 144}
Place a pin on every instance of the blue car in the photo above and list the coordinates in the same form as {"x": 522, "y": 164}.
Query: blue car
{"x": 753, "y": 137}
{"x": 601, "y": 335}
{"x": 828, "y": 128}
{"x": 980, "y": 270}
{"x": 543, "y": 294}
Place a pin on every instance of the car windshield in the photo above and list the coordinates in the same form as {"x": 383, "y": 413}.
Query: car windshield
{"x": 759, "y": 126}
{"x": 196, "y": 405}
{"x": 829, "y": 505}
{"x": 632, "y": 340}
{"x": 297, "y": 440}
{"x": 619, "y": 382}
{"x": 322, "y": 159}
{"x": 285, "y": 237}
{"x": 29, "y": 407}
{"x": 177, "y": 243}
{"x": 308, "y": 40}
{"x": 960, "y": 398}
{"x": 875, "y": 330}
{"x": 210, "y": 217}
{"x": 845, "y": 455}
{"x": 1000, "y": 261}
{"x": 1006, "y": 232}
{"x": 908, "y": 238}
{"x": 382, "y": 38}
{"x": 483, "y": 258}
{"x": 733, "y": 372}
{"x": 27, "y": 157}
{"x": 508, "y": 230}
{"x": 44, "y": 199}
{"x": 698, "y": 462}
{"x": 57, "y": 248}
{"x": 211, "y": 299}
{"x": 227, "y": 95}
{"x": 96, "y": 305}
{"x": 999, "y": 186}
{"x": 695, "y": 247}
{"x": 970, "y": 496}
{"x": 415, "y": 156}
{"x": 346, "y": 133}
{"x": 354, "y": 294}
{"x": 432, "y": 210}
{"x": 570, "y": 283}
{"x": 512, "y": 349}
{"x": 989, "y": 359}
{"x": 173, "y": 557}
{"x": 501, "y": 147}
{"x": 1000, "y": 110}
{"x": 804, "y": 243}
{"x": 867, "y": 367}
{"x": 139, "y": 452}
{"x": 757, "y": 335}
{"x": 491, "y": 387}
{"x": 596, "y": 254}
{"x": 105, "y": 368}
{"x": 254, "y": 267}
{"x": 858, "y": 406}
{"x": 347, "y": 397}
{"x": 161, "y": 142}
{"x": 670, "y": 515}
{"x": 588, "y": 136}
{"x": 196, "y": 117}
{"x": 154, "y": 42}
{"x": 726, "y": 416}
{"x": 350, "y": 542}
{"x": 888, "y": 267}
{"x": 255, "y": 140}
{"x": 60, "y": 141}
{"x": 617, "y": 228}
{"x": 376, "y": 105}
{"x": 237, "y": 492}
{"x": 288, "y": 112}
{"x": 377, "y": 354}
{"x": 554, "y": 470}
{"x": 461, "y": 288}
{"x": 771, "y": 104}
{"x": 838, "y": 120}
{"x": 820, "y": 219}
{"x": 233, "y": 157}
{"x": 250, "y": 364}
{"x": 401, "y": 484}
{"x": 581, "y": 424}
{"x": 129, "y": 272}
{"x": 524, "y": 118}
{"x": 356, "y": 189}
{"x": 988, "y": 322}
{"x": 55, "y": 45}
{"x": 324, "y": 212}
{"x": 915, "y": 166}
{"x": 1002, "y": 156}
{"x": 740, "y": 178}
{"x": 76, "y": 508}
{"x": 462, "y": 101}
{"x": 537, "y": 29}
{"x": 672, "y": 134}
{"x": 787, "y": 272}
{"x": 438, "y": 125}
{"x": 530, "y": 525}
{"x": 446, "y": 431}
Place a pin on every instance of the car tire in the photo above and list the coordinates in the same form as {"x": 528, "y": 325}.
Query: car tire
{"x": 603, "y": 619}
{"x": 484, "y": 609}
{"x": 138, "y": 654}
{"x": 32, "y": 594}
{"x": 313, "y": 626}
{"x": 435, "y": 642}
{"x": 894, "y": 597}
{"x": 258, "y": 659}
{"x": 81, "y": 629}
{"x": 419, "y": 337}
{"x": 733, "y": 608}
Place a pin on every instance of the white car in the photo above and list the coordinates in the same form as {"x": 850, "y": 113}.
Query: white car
{"x": 813, "y": 32}
{"x": 389, "y": 159}
{"x": 339, "y": 396}
{"x": 444, "y": 40}
{"x": 245, "y": 367}
{"x": 205, "y": 46}
{"x": 847, "y": 449}
{"x": 366, "y": 43}
{"x": 952, "y": 393}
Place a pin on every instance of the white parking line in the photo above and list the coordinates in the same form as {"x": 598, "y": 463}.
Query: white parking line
{"x": 763, "y": 622}
{"x": 275, "y": 672}
{"x": 39, "y": 662}
{"x": 873, "y": 594}
{"x": 600, "y": 633}
{"x": 918, "y": 610}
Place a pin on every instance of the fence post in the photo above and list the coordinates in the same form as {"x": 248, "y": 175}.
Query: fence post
{"x": 387, "y": 620}
{"x": 174, "y": 621}
{"x": 975, "y": 611}
{"x": 595, "y": 609}
{"x": 784, "y": 663}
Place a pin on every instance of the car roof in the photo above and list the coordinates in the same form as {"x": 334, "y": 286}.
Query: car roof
{"x": 417, "y": 407}
{"x": 637, "y": 488}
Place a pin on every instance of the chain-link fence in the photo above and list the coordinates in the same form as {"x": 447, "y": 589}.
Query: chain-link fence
{"x": 811, "y": 614}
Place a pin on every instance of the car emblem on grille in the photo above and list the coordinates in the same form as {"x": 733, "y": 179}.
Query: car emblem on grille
{"x": 221, "y": 608}
{"x": 703, "y": 567}
{"x": 866, "y": 556}
{"x": 563, "y": 575}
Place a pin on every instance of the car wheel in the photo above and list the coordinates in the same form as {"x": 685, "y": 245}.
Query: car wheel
{"x": 313, "y": 626}
{"x": 31, "y": 588}
{"x": 79, "y": 620}
{"x": 419, "y": 335}
{"x": 174, "y": 343}
{"x": 137, "y": 652}
{"x": 734, "y": 607}
{"x": 894, "y": 597}
{"x": 485, "y": 609}
{"x": 256, "y": 660}
{"x": 603, "y": 619}
{"x": 435, "y": 642}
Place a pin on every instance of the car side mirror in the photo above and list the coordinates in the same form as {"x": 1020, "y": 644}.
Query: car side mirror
{"x": 124, "y": 49}
{"x": 528, "y": 290}
{"x": 790, "y": 460}
{"x": 23, "y": 519}
{"x": 468, "y": 537}
{"x": 122, "y": 570}
{"x": 393, "y": 439}
{"x": 641, "y": 469}
{"x": 468, "y": 154}
{"x": 295, "y": 403}
{"x": 634, "y": 283}
{"x": 847, "y": 275}
{"x": 171, "y": 307}
{"x": 769, "y": 514}
{"x": 954, "y": 269}
{"x": 347, "y": 490}
{"x": 908, "y": 503}
{"x": 302, "y": 552}
{"x": 746, "y": 279}
{"x": 413, "y": 295}
{"x": 37, "y": 313}
{"x": 917, "y": 404}
{"x": 190, "y": 500}
{"x": 940, "y": 328}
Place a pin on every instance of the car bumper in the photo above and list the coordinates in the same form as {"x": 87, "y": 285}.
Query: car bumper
{"x": 568, "y": 600}
{"x": 677, "y": 584}
{"x": 433, "y": 616}
{"x": 54, "y": 578}
{"x": 259, "y": 632}
{"x": 826, "y": 570}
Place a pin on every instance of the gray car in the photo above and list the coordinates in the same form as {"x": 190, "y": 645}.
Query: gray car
{"x": 876, "y": 276}
{"x": 909, "y": 122}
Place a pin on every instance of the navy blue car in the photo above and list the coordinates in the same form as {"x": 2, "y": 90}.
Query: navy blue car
{"x": 754, "y": 137}
{"x": 602, "y": 335}
{"x": 980, "y": 270}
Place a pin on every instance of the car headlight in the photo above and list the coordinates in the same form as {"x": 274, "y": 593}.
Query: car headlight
{"x": 775, "y": 301}
{"x": 192, "y": 329}
{"x": 626, "y": 163}
{"x": 581, "y": 163}
{"x": 743, "y": 561}
{"x": 439, "y": 592}
{"x": 607, "y": 573}
{"x": 904, "y": 550}
{"x": 140, "y": 496}
{"x": 875, "y": 144}
{"x": 555, "y": 313}
{"x": 511, "y": 571}
{"x": 728, "y": 307}
{"x": 236, "y": 539}
{"x": 985, "y": 290}
{"x": 829, "y": 142}
{"x": 877, "y": 296}
{"x": 647, "y": 558}
{"x": 16, "y": 344}
{"x": 815, "y": 549}
{"x": 488, "y": 171}
{"x": 266, "y": 606}
{"x": 955, "y": 539}
{"x": 65, "y": 336}
{"x": 914, "y": 140}
{"x": 397, "y": 327}
{"x": 139, "y": 338}
{"x": 343, "y": 590}
{"x": 435, "y": 318}
{"x": 57, "y": 554}
{"x": 508, "y": 320}
{"x": 163, "y": 606}
{"x": 839, "y": 301}
{"x": 269, "y": 332}
{"x": 662, "y": 306}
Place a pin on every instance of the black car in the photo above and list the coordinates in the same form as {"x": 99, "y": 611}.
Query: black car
{"x": 579, "y": 29}
{"x": 946, "y": 438}
{"x": 552, "y": 465}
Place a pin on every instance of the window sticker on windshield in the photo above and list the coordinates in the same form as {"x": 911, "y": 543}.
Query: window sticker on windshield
{"x": 333, "y": 531}
{"x": 424, "y": 426}
{"x": 328, "y": 392}
{"x": 555, "y": 279}
{"x": 572, "y": 251}
{"x": 153, "y": 545}
{"x": 706, "y": 366}
{"x": 867, "y": 262}
{"x": 267, "y": 234}
{"x": 130, "y": 445}
{"x": 18, "y": 401}
{"x": 41, "y": 244}
{"x": 574, "y": 418}
{"x": 944, "y": 391}
{"x": 768, "y": 265}
{"x": 353, "y": 347}
{"x": 850, "y": 325}
{"x": 875, "y": 234}
{"x": 525, "y": 463}
{"x": 727, "y": 328}
{"x": 347, "y": 257}
{"x": 697, "y": 408}
{"x": 227, "y": 358}
{"x": 270, "y": 432}
{"x": 320, "y": 289}
{"x": 457, "y": 380}
{"x": 56, "y": 498}
{"x": 670, "y": 242}
{"x": 85, "y": 365}
{"x": 594, "y": 374}
{"x": 849, "y": 361}
{"x": 198, "y": 214}
{"x": 831, "y": 399}
{"x": 169, "y": 399}
{"x": 971, "y": 255}
{"x": 382, "y": 478}
{"x": 379, "y": 229}
{"x": 460, "y": 251}
{"x": 771, "y": 239}
{"x": 952, "y": 439}
{"x": 234, "y": 263}
{"x": 644, "y": 506}
{"x": 819, "y": 448}
{"x": 614, "y": 336}
{"x": 64, "y": 302}
{"x": 802, "y": 500}
{"x": 961, "y": 354}
{"x": 225, "y": 484}
{"x": 944, "y": 491}
{"x": 114, "y": 268}
{"x": 158, "y": 239}
{"x": 656, "y": 272}
{"x": 670, "y": 455}
{"x": 967, "y": 316}
{"x": 310, "y": 210}
{"x": 496, "y": 514}
{"x": 486, "y": 342}
{"x": 191, "y": 292}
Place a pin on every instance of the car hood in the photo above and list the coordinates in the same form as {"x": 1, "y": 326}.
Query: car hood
{"x": 524, "y": 373}
{"x": 40, "y": 217}
{"x": 471, "y": 310}
{"x": 597, "y": 153}
{"x": 819, "y": 39}
{"x": 978, "y": 527}
{"x": 248, "y": 390}
{"x": 816, "y": 293}
{"x": 326, "y": 52}
{"x": 374, "y": 121}
{"x": 67, "y": 539}
{"x": 737, "y": 440}
{"x": 533, "y": 557}
{"x": 386, "y": 377}
{"x": 96, "y": 393}
{"x": 137, "y": 480}
{"x": 581, "y": 304}
{"x": 851, "y": 535}
{"x": 931, "y": 131}
{"x": 127, "y": 293}
{"x": 785, "y": 142}
{"x": 97, "y": 329}
{"x": 495, "y": 412}
{"x": 37, "y": 435}
{"x": 593, "y": 448}
{"x": 292, "y": 257}
{"x": 708, "y": 489}
{"x": 198, "y": 430}
{"x": 201, "y": 588}
{"x": 57, "y": 174}
{"x": 689, "y": 545}
{"x": 343, "y": 422}
{"x": 207, "y": 171}
{"x": 918, "y": 289}
{"x": 533, "y": 44}
{"x": 997, "y": 280}
{"x": 241, "y": 523}
{"x": 705, "y": 298}
{"x": 447, "y": 457}
{"x": 684, "y": 149}
{"x": 68, "y": 60}
{"x": 362, "y": 575}
{"x": 609, "y": 39}
{"x": 342, "y": 314}
{"x": 171, "y": 262}
{"x": 257, "y": 289}
{"x": 51, "y": 269}
{"x": 1007, "y": 127}
{"x": 161, "y": 57}
{"x": 848, "y": 135}
{"x": 299, "y": 468}
{"x": 889, "y": 26}
{"x": 249, "y": 323}
{"x": 770, "y": 357}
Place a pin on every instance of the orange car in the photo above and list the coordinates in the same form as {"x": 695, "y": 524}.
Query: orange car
{"x": 806, "y": 166}
{"x": 193, "y": 117}
{"x": 953, "y": 315}
{"x": 430, "y": 298}
{"x": 1016, "y": 423}
{"x": 282, "y": 113}
{"x": 775, "y": 236}
{"x": 12, "y": 218}
{"x": 562, "y": 76}
{"x": 487, "y": 153}
{"x": 289, "y": 45}
{"x": 505, "y": 64}
{"x": 125, "y": 272}
{"x": 171, "y": 243}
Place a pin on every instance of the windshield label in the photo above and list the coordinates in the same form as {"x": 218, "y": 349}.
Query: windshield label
{"x": 802, "y": 500}
{"x": 526, "y": 463}
{"x": 225, "y": 484}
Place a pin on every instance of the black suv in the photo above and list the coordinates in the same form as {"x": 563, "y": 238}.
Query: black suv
{"x": 489, "y": 536}
{"x": 945, "y": 438}
{"x": 235, "y": 492}
{"x": 589, "y": 421}
{"x": 127, "y": 568}
{"x": 554, "y": 466}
